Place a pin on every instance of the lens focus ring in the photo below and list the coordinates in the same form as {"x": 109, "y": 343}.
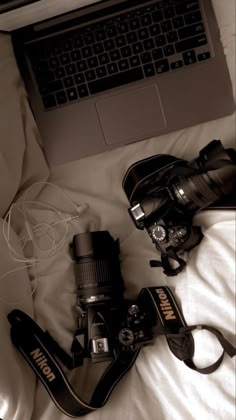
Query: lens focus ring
{"x": 204, "y": 192}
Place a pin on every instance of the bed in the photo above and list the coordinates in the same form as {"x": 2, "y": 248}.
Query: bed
{"x": 159, "y": 386}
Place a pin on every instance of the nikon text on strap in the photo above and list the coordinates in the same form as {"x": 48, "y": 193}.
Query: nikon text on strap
{"x": 39, "y": 350}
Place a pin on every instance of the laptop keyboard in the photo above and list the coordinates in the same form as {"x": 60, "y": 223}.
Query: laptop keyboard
{"x": 161, "y": 37}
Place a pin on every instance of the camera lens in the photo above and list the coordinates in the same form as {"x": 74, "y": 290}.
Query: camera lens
{"x": 219, "y": 179}
{"x": 97, "y": 267}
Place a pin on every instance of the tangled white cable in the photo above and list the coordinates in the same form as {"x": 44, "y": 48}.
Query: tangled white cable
{"x": 36, "y": 231}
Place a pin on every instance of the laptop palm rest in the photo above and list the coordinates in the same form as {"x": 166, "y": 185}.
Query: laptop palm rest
{"x": 129, "y": 115}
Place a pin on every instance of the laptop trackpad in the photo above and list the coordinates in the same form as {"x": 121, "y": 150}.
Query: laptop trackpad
{"x": 131, "y": 115}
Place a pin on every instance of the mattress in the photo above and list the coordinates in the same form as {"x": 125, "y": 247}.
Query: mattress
{"x": 159, "y": 386}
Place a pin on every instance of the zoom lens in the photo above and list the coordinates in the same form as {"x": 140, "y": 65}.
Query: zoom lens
{"x": 97, "y": 267}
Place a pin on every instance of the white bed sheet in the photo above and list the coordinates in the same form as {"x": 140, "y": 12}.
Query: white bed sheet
{"x": 159, "y": 387}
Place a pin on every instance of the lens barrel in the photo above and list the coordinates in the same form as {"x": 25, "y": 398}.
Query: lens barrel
{"x": 97, "y": 267}
{"x": 217, "y": 178}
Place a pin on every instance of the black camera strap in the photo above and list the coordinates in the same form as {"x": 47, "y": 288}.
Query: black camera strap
{"x": 171, "y": 323}
{"x": 158, "y": 303}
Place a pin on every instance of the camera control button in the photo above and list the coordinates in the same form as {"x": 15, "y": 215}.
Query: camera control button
{"x": 126, "y": 337}
{"x": 158, "y": 233}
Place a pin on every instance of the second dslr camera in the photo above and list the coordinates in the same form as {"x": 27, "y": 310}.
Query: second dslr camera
{"x": 165, "y": 192}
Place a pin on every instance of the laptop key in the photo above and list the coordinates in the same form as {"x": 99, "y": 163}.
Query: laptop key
{"x": 126, "y": 52}
{"x": 134, "y": 61}
{"x": 79, "y": 78}
{"x": 61, "y": 97}
{"x": 160, "y": 40}
{"x": 204, "y": 56}
{"x": 157, "y": 54}
{"x": 149, "y": 70}
{"x": 67, "y": 45}
{"x": 143, "y": 34}
{"x": 186, "y": 7}
{"x": 169, "y": 12}
{"x": 176, "y": 64}
{"x": 92, "y": 62}
{"x": 65, "y": 59}
{"x": 81, "y": 65}
{"x": 89, "y": 38}
{"x": 189, "y": 57}
{"x": 120, "y": 41}
{"x": 169, "y": 50}
{"x": 166, "y": 26}
{"x": 191, "y": 43}
{"x": 134, "y": 23}
{"x": 148, "y": 44}
{"x": 172, "y": 37}
{"x": 103, "y": 58}
{"x": 70, "y": 69}
{"x": 98, "y": 48}
{"x": 49, "y": 101}
{"x": 178, "y": 22}
{"x": 122, "y": 28}
{"x": 75, "y": 55}
{"x": 54, "y": 62}
{"x": 60, "y": 72}
{"x": 157, "y": 16}
{"x": 109, "y": 44}
{"x": 72, "y": 94}
{"x": 115, "y": 55}
{"x": 79, "y": 42}
{"x": 101, "y": 71}
{"x": 90, "y": 75}
{"x": 112, "y": 68}
{"x": 137, "y": 48}
{"x": 132, "y": 37}
{"x": 123, "y": 65}
{"x": 100, "y": 35}
{"x": 146, "y": 57}
{"x": 87, "y": 52}
{"x": 111, "y": 31}
{"x": 116, "y": 80}
{"x": 162, "y": 66}
{"x": 189, "y": 31}
{"x": 68, "y": 82}
{"x": 193, "y": 17}
{"x": 146, "y": 20}
{"x": 155, "y": 29}
{"x": 82, "y": 91}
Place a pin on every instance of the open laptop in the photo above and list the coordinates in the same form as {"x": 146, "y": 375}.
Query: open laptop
{"x": 119, "y": 71}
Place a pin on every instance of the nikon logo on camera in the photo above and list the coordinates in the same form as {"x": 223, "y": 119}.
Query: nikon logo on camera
{"x": 165, "y": 305}
{"x": 41, "y": 362}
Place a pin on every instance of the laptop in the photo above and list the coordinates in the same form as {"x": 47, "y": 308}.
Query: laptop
{"x": 115, "y": 72}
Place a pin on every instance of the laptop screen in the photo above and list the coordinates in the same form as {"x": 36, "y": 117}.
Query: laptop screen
{"x": 15, "y": 14}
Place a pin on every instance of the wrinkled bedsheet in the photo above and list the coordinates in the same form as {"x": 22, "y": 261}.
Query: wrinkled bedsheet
{"x": 159, "y": 386}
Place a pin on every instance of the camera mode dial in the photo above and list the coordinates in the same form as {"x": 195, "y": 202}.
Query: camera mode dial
{"x": 126, "y": 337}
{"x": 158, "y": 233}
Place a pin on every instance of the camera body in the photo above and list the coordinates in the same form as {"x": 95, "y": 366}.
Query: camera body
{"x": 107, "y": 323}
{"x": 165, "y": 192}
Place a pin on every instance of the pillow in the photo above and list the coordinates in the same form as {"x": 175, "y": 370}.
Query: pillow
{"x": 21, "y": 159}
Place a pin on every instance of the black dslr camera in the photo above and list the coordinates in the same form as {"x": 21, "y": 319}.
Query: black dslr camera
{"x": 165, "y": 192}
{"x": 107, "y": 323}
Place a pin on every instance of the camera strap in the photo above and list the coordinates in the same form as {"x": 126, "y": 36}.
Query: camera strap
{"x": 171, "y": 323}
{"x": 158, "y": 303}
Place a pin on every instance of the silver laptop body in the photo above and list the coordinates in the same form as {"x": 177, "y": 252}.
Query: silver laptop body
{"x": 148, "y": 68}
